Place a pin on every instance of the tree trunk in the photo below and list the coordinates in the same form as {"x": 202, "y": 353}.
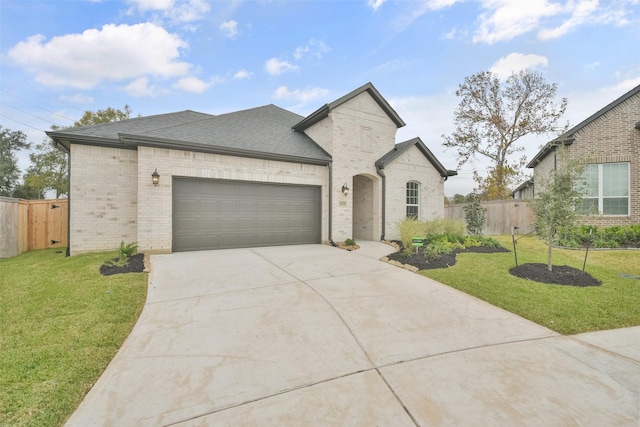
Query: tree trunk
{"x": 549, "y": 243}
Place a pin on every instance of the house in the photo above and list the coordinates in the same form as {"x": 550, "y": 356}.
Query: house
{"x": 524, "y": 190}
{"x": 258, "y": 177}
{"x": 608, "y": 143}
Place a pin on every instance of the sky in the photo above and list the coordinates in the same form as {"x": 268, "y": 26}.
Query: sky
{"x": 61, "y": 58}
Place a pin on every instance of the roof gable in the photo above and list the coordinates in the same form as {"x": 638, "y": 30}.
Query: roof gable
{"x": 404, "y": 146}
{"x": 568, "y": 137}
{"x": 322, "y": 112}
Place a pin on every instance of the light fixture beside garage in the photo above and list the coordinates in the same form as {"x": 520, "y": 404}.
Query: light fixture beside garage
{"x": 345, "y": 189}
{"x": 155, "y": 178}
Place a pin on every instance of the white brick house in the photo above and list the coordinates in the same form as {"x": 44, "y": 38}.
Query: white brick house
{"x": 608, "y": 144}
{"x": 263, "y": 176}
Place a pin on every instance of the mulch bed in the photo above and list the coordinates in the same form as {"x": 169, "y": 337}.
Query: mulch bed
{"x": 443, "y": 261}
{"x": 135, "y": 265}
{"x": 561, "y": 275}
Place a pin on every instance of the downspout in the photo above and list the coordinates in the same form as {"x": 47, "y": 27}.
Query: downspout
{"x": 63, "y": 149}
{"x": 331, "y": 202}
{"x": 380, "y": 170}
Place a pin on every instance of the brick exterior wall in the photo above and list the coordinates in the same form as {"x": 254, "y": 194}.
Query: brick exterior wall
{"x": 611, "y": 138}
{"x": 113, "y": 199}
{"x": 104, "y": 198}
{"x": 155, "y": 203}
{"x": 412, "y": 166}
{"x": 356, "y": 134}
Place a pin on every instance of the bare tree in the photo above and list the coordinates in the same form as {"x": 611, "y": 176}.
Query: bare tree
{"x": 493, "y": 115}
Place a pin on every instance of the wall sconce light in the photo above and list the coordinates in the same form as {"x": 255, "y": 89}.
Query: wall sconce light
{"x": 345, "y": 189}
{"x": 155, "y": 178}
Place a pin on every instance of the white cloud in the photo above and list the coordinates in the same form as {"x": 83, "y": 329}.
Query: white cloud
{"x": 582, "y": 11}
{"x": 140, "y": 87}
{"x": 175, "y": 11}
{"x": 242, "y": 74}
{"x": 191, "y": 84}
{"x": 515, "y": 62}
{"x": 315, "y": 48}
{"x": 506, "y": 19}
{"x": 78, "y": 98}
{"x": 229, "y": 28}
{"x": 147, "y": 5}
{"x": 375, "y": 4}
{"x": 276, "y": 67}
{"x": 112, "y": 53}
{"x": 300, "y": 95}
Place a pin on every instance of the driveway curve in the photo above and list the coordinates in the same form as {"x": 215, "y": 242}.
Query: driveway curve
{"x": 315, "y": 336}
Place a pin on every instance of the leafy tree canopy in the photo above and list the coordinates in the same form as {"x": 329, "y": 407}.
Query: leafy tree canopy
{"x": 493, "y": 115}
{"x": 557, "y": 198}
{"x": 49, "y": 168}
{"x": 10, "y": 143}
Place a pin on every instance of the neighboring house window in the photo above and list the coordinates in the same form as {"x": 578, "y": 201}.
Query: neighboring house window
{"x": 413, "y": 190}
{"x": 607, "y": 189}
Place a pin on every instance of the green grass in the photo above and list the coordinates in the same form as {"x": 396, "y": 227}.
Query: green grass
{"x": 565, "y": 309}
{"x": 61, "y": 323}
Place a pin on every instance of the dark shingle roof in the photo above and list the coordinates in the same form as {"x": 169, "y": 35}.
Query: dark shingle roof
{"x": 324, "y": 111}
{"x": 404, "y": 146}
{"x": 568, "y": 137}
{"x": 263, "y": 132}
{"x": 110, "y": 131}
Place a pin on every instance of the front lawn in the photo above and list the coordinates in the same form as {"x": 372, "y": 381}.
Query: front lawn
{"x": 61, "y": 323}
{"x": 565, "y": 309}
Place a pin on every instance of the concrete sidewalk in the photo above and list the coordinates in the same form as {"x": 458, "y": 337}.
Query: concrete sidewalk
{"x": 313, "y": 335}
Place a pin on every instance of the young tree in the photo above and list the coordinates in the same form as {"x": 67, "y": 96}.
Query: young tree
{"x": 556, "y": 202}
{"x": 493, "y": 115}
{"x": 10, "y": 142}
{"x": 474, "y": 215}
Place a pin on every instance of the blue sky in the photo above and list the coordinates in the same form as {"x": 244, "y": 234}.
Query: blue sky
{"x": 60, "y": 58}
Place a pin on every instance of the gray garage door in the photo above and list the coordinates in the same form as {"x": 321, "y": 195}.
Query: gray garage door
{"x": 219, "y": 214}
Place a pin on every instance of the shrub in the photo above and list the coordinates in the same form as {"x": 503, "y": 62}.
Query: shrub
{"x": 350, "y": 242}
{"x": 474, "y": 214}
{"x": 127, "y": 251}
{"x": 412, "y": 227}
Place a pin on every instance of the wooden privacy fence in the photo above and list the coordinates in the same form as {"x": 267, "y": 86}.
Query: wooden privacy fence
{"x": 501, "y": 215}
{"x": 32, "y": 224}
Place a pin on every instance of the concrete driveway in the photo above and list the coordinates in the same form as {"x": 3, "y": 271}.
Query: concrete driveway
{"x": 315, "y": 336}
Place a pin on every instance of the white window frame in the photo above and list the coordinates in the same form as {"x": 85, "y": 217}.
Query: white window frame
{"x": 600, "y": 197}
{"x": 409, "y": 187}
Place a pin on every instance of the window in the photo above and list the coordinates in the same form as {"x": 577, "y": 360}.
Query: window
{"x": 413, "y": 199}
{"x": 607, "y": 189}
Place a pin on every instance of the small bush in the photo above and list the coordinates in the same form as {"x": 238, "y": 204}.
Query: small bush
{"x": 474, "y": 214}
{"x": 127, "y": 251}
{"x": 607, "y": 237}
{"x": 412, "y": 227}
{"x": 350, "y": 242}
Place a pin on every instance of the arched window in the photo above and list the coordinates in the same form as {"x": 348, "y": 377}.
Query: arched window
{"x": 413, "y": 199}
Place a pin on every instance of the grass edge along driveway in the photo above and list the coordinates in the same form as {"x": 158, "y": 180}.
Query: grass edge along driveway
{"x": 61, "y": 323}
{"x": 565, "y": 309}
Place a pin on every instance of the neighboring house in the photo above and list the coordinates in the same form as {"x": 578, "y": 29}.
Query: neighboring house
{"x": 608, "y": 143}
{"x": 524, "y": 190}
{"x": 257, "y": 177}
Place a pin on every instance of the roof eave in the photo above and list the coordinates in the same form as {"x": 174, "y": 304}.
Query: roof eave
{"x": 137, "y": 140}
{"x": 548, "y": 148}
{"x": 392, "y": 155}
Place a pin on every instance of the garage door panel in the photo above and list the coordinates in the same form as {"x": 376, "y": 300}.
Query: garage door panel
{"x": 217, "y": 214}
